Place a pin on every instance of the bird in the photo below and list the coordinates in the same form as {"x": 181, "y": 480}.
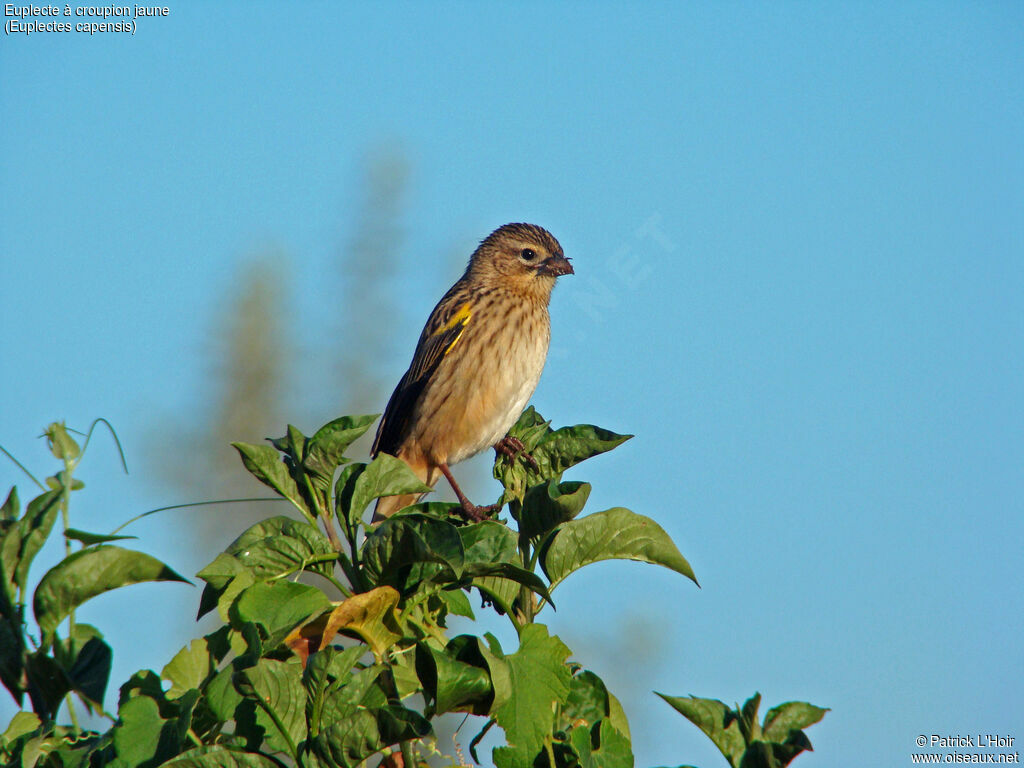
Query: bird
{"x": 476, "y": 365}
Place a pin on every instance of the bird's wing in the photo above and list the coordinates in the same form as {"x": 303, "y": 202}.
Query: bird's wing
{"x": 438, "y": 339}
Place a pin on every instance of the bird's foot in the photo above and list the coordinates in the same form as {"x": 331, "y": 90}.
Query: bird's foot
{"x": 478, "y": 514}
{"x": 513, "y": 448}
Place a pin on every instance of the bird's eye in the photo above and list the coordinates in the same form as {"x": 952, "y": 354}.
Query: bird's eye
{"x": 528, "y": 254}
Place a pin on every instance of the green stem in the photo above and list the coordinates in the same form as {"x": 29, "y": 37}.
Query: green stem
{"x": 73, "y": 715}
{"x": 550, "y": 751}
{"x": 407, "y": 757}
{"x": 65, "y": 497}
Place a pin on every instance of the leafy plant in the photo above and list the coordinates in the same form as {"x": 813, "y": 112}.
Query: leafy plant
{"x": 335, "y": 644}
{"x": 744, "y": 741}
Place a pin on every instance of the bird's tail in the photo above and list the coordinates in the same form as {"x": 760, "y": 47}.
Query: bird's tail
{"x": 388, "y": 505}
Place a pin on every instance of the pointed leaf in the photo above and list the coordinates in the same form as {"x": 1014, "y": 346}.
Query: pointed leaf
{"x": 326, "y": 448}
{"x": 218, "y": 575}
{"x": 189, "y": 668}
{"x": 716, "y": 720}
{"x": 143, "y": 736}
{"x": 263, "y": 463}
{"x": 9, "y": 511}
{"x": 22, "y": 541}
{"x": 553, "y": 452}
{"x": 90, "y": 672}
{"x": 588, "y": 699}
{"x": 90, "y": 572}
{"x": 791, "y": 716}
{"x": 93, "y": 538}
{"x": 21, "y": 724}
{"x": 613, "y": 534}
{"x": 384, "y": 476}
{"x": 293, "y": 444}
{"x": 508, "y": 572}
{"x": 47, "y": 683}
{"x": 540, "y": 680}
{"x": 611, "y": 750}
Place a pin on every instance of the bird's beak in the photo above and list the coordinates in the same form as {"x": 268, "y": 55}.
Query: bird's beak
{"x": 556, "y": 266}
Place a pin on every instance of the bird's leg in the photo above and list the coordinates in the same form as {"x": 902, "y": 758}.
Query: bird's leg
{"x": 471, "y": 510}
{"x": 513, "y": 447}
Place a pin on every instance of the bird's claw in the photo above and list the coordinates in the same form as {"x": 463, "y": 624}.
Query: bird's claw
{"x": 513, "y": 448}
{"x": 479, "y": 514}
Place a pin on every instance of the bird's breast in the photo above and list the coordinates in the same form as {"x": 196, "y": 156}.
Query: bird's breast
{"x": 484, "y": 382}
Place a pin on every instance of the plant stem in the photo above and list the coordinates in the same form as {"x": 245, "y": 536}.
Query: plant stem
{"x": 407, "y": 756}
{"x": 71, "y": 713}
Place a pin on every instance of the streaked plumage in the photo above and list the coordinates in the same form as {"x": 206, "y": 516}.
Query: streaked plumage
{"x": 478, "y": 359}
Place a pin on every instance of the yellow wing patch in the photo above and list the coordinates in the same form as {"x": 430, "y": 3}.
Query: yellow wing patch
{"x": 458, "y": 320}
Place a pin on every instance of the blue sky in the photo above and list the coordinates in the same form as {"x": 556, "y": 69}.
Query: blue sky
{"x": 799, "y": 251}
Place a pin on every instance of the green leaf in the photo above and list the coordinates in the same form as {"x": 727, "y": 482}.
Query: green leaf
{"x": 456, "y": 602}
{"x": 21, "y": 724}
{"x": 587, "y": 701}
{"x": 325, "y": 449}
{"x": 553, "y": 451}
{"x": 90, "y": 672}
{"x": 326, "y": 670}
{"x": 221, "y": 696}
{"x": 492, "y": 557}
{"x": 613, "y": 534}
{"x": 409, "y": 539}
{"x": 22, "y": 541}
{"x": 143, "y": 737}
{"x": 92, "y": 572}
{"x": 791, "y": 716}
{"x": 279, "y": 546}
{"x": 12, "y": 649}
{"x": 277, "y": 688}
{"x": 218, "y": 756}
{"x": 489, "y": 542}
{"x": 47, "y": 683}
{"x": 716, "y": 720}
{"x": 218, "y": 575}
{"x": 749, "y": 725}
{"x": 455, "y": 678}
{"x": 540, "y": 679}
{"x": 480, "y": 572}
{"x": 348, "y": 742}
{"x": 548, "y": 505}
{"x": 278, "y": 607}
{"x": 10, "y": 510}
{"x": 92, "y": 538}
{"x": 362, "y": 483}
{"x": 189, "y": 668}
{"x": 601, "y": 746}
{"x": 265, "y": 465}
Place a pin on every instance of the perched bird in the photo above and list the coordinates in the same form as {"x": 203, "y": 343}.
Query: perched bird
{"x": 477, "y": 362}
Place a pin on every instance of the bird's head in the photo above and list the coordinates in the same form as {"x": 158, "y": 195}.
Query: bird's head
{"x": 523, "y": 258}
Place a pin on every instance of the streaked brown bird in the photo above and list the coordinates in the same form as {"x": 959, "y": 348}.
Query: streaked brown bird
{"x": 477, "y": 362}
